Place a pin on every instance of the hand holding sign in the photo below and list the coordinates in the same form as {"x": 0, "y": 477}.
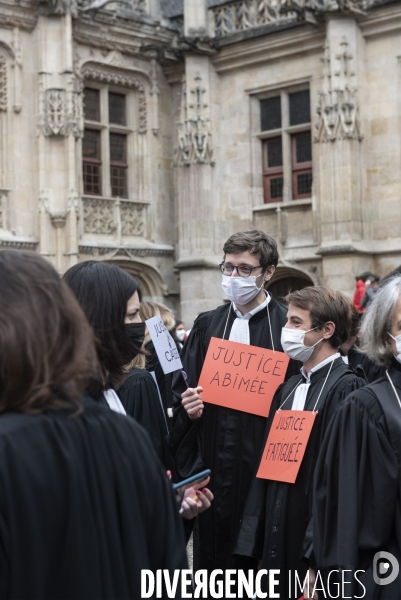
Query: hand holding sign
{"x": 192, "y": 402}
{"x": 164, "y": 344}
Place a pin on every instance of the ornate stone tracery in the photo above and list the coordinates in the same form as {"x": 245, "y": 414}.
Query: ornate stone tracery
{"x": 132, "y": 219}
{"x": 233, "y": 17}
{"x": 3, "y": 83}
{"x": 98, "y": 215}
{"x": 92, "y": 5}
{"x": 194, "y": 136}
{"x": 60, "y": 112}
{"x": 338, "y": 105}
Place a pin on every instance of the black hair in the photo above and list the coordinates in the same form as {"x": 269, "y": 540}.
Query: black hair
{"x": 103, "y": 291}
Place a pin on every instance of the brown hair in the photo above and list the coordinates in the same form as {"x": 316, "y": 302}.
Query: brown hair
{"x": 325, "y": 305}
{"x": 355, "y": 321}
{"x": 257, "y": 243}
{"x": 47, "y": 352}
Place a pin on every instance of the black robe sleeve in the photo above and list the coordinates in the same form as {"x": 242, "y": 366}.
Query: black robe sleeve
{"x": 183, "y": 438}
{"x": 355, "y": 490}
{"x": 251, "y": 534}
{"x": 85, "y": 505}
{"x": 140, "y": 398}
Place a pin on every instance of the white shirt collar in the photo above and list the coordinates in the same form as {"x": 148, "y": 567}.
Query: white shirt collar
{"x": 254, "y": 311}
{"x": 319, "y": 366}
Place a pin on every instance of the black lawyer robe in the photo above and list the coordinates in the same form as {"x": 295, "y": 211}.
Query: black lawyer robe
{"x": 224, "y": 440}
{"x": 140, "y": 398}
{"x": 277, "y": 514}
{"x": 363, "y": 366}
{"x": 357, "y": 500}
{"x": 84, "y": 506}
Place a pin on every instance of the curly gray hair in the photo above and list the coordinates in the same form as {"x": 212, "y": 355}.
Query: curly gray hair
{"x": 377, "y": 322}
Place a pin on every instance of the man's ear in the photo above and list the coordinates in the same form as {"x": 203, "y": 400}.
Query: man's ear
{"x": 269, "y": 273}
{"x": 328, "y": 330}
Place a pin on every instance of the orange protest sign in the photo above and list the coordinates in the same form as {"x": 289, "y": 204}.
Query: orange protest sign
{"x": 286, "y": 445}
{"x": 242, "y": 377}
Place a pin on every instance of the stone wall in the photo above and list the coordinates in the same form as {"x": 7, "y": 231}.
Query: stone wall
{"x": 194, "y": 89}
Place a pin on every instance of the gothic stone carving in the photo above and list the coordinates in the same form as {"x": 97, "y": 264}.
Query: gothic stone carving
{"x": 124, "y": 80}
{"x": 60, "y": 113}
{"x": 98, "y": 215}
{"x": 132, "y": 219}
{"x": 232, "y": 17}
{"x": 89, "y": 5}
{"x": 62, "y": 7}
{"x": 130, "y": 252}
{"x": 3, "y": 83}
{"x": 338, "y": 104}
{"x": 194, "y": 137}
{"x": 55, "y": 110}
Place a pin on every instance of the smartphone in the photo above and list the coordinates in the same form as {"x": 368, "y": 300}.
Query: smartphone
{"x": 179, "y": 488}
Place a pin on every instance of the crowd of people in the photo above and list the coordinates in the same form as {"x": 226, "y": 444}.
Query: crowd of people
{"x": 93, "y": 433}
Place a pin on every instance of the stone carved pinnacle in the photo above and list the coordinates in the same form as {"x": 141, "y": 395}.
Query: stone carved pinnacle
{"x": 194, "y": 136}
{"x": 338, "y": 105}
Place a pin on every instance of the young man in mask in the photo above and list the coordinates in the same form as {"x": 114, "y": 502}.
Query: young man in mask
{"x": 276, "y": 526}
{"x": 206, "y": 435}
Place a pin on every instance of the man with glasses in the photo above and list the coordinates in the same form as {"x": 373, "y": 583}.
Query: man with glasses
{"x": 227, "y": 441}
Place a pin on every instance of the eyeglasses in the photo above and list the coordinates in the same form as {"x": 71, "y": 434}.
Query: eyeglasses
{"x": 242, "y": 270}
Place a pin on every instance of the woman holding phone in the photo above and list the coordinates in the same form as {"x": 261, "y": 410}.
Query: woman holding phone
{"x": 85, "y": 504}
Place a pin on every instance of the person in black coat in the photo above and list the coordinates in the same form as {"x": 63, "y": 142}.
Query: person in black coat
{"x": 85, "y": 504}
{"x": 357, "y": 498}
{"x": 140, "y": 396}
{"x": 352, "y": 355}
{"x": 110, "y": 298}
{"x": 225, "y": 440}
{"x": 276, "y": 524}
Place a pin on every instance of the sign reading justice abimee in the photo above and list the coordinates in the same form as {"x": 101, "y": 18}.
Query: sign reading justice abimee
{"x": 242, "y": 377}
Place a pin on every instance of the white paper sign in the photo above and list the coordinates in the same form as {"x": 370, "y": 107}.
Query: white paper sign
{"x": 164, "y": 344}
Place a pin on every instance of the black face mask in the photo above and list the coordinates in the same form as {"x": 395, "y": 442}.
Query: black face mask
{"x": 136, "y": 333}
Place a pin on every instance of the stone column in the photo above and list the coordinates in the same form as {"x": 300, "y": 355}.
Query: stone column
{"x": 60, "y": 123}
{"x": 339, "y": 182}
{"x": 202, "y": 231}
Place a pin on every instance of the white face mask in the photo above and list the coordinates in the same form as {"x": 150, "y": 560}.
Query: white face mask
{"x": 397, "y": 340}
{"x": 241, "y": 290}
{"x": 180, "y": 335}
{"x": 292, "y": 342}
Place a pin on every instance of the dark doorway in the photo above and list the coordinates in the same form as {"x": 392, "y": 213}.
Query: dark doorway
{"x": 279, "y": 288}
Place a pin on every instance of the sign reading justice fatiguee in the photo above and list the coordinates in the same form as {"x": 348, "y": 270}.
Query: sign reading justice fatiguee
{"x": 242, "y": 377}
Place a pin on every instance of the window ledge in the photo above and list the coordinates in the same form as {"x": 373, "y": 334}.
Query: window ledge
{"x": 114, "y": 199}
{"x": 273, "y": 206}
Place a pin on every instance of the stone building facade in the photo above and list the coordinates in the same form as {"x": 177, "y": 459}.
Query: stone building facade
{"x": 145, "y": 132}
